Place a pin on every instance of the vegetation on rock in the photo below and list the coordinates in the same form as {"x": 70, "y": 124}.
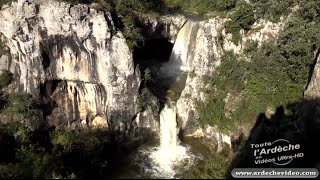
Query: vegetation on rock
{"x": 275, "y": 74}
{"x": 52, "y": 154}
{"x": 241, "y": 18}
{"x": 3, "y": 2}
{"x": 260, "y": 79}
{"x": 6, "y": 78}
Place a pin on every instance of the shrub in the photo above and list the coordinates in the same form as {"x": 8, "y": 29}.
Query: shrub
{"x": 234, "y": 29}
{"x": 272, "y": 10}
{"x": 242, "y": 18}
{"x": 309, "y": 10}
{"x": 201, "y": 7}
{"x": 298, "y": 43}
{"x": 20, "y": 106}
{"x": 6, "y": 78}
{"x": 223, "y": 5}
{"x": 250, "y": 47}
{"x": 3, "y": 2}
{"x": 215, "y": 167}
{"x": 143, "y": 99}
{"x": 67, "y": 138}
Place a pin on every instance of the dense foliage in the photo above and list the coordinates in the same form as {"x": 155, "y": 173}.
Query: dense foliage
{"x": 19, "y": 105}
{"x": 52, "y": 154}
{"x": 257, "y": 81}
{"x": 275, "y": 74}
{"x": 215, "y": 167}
{"x": 5, "y": 79}
{"x": 242, "y": 18}
{"x": 3, "y": 2}
{"x": 272, "y": 10}
{"x": 28, "y": 152}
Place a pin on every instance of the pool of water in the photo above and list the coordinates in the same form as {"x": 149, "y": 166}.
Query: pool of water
{"x": 138, "y": 163}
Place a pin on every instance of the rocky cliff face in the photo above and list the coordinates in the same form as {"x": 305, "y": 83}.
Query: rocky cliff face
{"x": 197, "y": 51}
{"x": 72, "y": 58}
{"x": 199, "y": 55}
{"x": 166, "y": 26}
{"x": 205, "y": 52}
{"x": 313, "y": 88}
{"x": 204, "y": 56}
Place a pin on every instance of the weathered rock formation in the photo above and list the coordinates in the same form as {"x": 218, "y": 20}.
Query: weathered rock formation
{"x": 204, "y": 54}
{"x": 313, "y": 88}
{"x": 72, "y": 58}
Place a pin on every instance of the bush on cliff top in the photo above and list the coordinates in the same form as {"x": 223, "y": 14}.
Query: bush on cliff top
{"x": 242, "y": 18}
{"x": 3, "y": 2}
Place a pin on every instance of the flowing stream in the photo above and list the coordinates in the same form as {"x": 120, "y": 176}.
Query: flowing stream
{"x": 170, "y": 156}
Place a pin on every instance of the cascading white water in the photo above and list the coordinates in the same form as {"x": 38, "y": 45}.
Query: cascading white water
{"x": 168, "y": 130}
{"x": 170, "y": 157}
{"x": 169, "y": 153}
{"x": 165, "y": 158}
{"x": 182, "y": 50}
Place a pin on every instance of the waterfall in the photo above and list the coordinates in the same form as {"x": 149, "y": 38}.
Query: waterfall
{"x": 182, "y": 52}
{"x": 169, "y": 152}
{"x": 165, "y": 160}
{"x": 170, "y": 157}
{"x": 168, "y": 129}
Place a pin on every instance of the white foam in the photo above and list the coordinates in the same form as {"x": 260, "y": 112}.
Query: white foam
{"x": 164, "y": 160}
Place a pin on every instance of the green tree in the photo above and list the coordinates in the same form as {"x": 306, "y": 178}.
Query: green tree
{"x": 242, "y": 18}
{"x": 20, "y": 105}
{"x": 214, "y": 167}
{"x": 272, "y": 10}
{"x": 3, "y": 2}
{"x": 6, "y": 78}
{"x": 223, "y": 5}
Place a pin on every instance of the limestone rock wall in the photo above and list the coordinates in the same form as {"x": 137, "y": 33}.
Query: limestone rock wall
{"x": 78, "y": 49}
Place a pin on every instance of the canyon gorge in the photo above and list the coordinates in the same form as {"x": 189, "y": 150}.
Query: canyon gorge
{"x": 74, "y": 60}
